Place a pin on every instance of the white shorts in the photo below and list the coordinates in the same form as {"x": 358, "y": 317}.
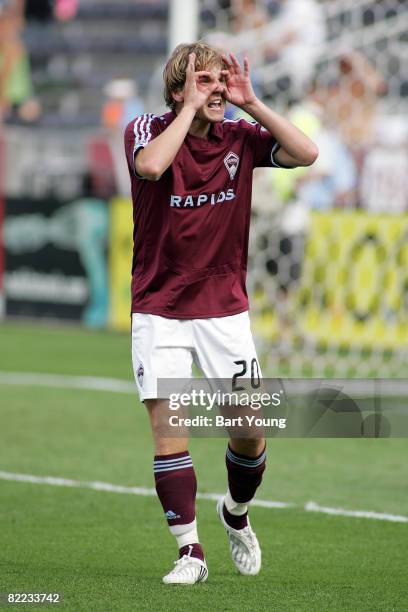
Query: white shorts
{"x": 221, "y": 347}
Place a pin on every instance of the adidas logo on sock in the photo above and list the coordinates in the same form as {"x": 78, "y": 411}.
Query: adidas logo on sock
{"x": 171, "y": 515}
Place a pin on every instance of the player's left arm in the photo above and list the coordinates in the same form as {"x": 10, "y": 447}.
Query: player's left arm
{"x": 296, "y": 149}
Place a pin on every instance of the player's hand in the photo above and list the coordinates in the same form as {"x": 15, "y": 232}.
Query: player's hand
{"x": 198, "y": 86}
{"x": 238, "y": 86}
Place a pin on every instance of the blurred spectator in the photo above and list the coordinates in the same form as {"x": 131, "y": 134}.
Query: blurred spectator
{"x": 224, "y": 5}
{"x": 11, "y": 49}
{"x": 16, "y": 92}
{"x": 384, "y": 177}
{"x": 90, "y": 218}
{"x": 332, "y": 180}
{"x": 122, "y": 104}
{"x": 247, "y": 21}
{"x": 246, "y": 15}
{"x": 215, "y": 10}
{"x": 294, "y": 37}
{"x": 65, "y": 10}
{"x": 351, "y": 100}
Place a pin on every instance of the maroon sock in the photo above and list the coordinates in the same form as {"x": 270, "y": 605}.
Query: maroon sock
{"x": 236, "y": 522}
{"x": 244, "y": 477}
{"x": 192, "y": 550}
{"x": 176, "y": 486}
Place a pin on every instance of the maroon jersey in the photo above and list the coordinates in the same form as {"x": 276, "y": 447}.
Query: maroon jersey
{"x": 191, "y": 227}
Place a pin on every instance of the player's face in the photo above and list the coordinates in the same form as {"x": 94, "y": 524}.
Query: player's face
{"x": 214, "y": 109}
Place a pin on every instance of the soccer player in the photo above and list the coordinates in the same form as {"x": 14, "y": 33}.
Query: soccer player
{"x": 191, "y": 178}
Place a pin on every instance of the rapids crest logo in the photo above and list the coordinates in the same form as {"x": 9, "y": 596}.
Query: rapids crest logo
{"x": 231, "y": 162}
{"x": 140, "y": 374}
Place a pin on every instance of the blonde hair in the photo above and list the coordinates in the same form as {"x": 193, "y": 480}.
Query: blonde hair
{"x": 174, "y": 73}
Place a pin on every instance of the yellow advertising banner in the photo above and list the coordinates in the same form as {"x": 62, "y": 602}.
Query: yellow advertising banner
{"x": 354, "y": 284}
{"x": 353, "y": 288}
{"x": 120, "y": 262}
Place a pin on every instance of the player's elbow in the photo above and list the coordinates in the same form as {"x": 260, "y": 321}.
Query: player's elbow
{"x": 148, "y": 168}
{"x": 149, "y": 171}
{"x": 152, "y": 174}
{"x": 310, "y": 154}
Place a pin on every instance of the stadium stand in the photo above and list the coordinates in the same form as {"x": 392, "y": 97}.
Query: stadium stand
{"x": 72, "y": 61}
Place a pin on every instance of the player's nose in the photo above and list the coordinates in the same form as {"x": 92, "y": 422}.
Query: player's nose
{"x": 220, "y": 86}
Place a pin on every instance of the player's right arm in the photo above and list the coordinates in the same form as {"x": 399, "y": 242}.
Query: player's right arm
{"x": 154, "y": 159}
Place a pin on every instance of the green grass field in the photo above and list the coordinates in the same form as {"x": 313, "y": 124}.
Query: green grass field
{"x": 107, "y": 551}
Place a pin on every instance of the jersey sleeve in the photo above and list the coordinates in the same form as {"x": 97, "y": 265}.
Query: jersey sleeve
{"x": 264, "y": 146}
{"x": 138, "y": 134}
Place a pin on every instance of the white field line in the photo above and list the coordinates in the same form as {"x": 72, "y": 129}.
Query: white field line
{"x": 111, "y": 488}
{"x": 382, "y": 516}
{"x": 60, "y": 381}
{"x": 388, "y": 388}
{"x": 121, "y": 386}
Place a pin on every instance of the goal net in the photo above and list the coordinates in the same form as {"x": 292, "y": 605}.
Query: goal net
{"x": 328, "y": 271}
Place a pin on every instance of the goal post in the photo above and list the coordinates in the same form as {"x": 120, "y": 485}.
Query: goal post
{"x": 183, "y": 22}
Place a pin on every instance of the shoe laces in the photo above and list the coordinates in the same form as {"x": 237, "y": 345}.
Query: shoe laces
{"x": 250, "y": 537}
{"x": 183, "y": 561}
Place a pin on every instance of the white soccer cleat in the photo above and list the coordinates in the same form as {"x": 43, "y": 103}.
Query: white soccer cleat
{"x": 187, "y": 570}
{"x": 244, "y": 546}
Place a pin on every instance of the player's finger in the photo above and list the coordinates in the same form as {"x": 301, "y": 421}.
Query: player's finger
{"x": 191, "y": 62}
{"x": 235, "y": 63}
{"x": 246, "y": 66}
{"x": 226, "y": 61}
{"x": 210, "y": 88}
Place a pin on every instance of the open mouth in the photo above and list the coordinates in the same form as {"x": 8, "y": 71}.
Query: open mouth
{"x": 216, "y": 105}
